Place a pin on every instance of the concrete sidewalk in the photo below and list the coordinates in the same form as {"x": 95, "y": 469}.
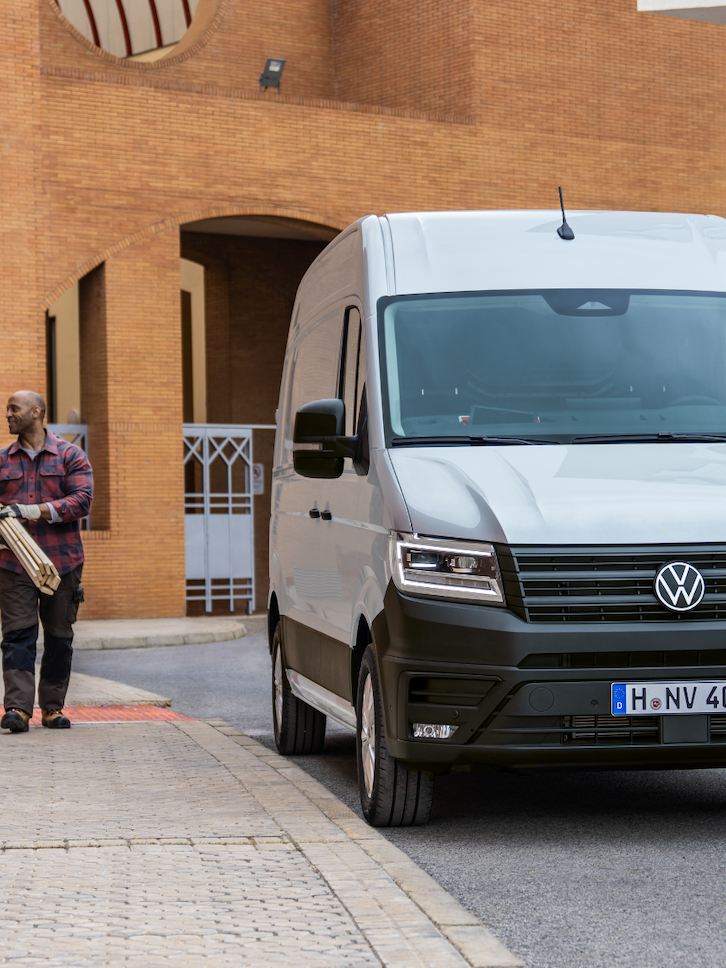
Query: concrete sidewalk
{"x": 154, "y": 632}
{"x": 87, "y": 690}
{"x": 187, "y": 843}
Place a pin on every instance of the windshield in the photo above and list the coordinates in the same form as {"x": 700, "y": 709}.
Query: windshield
{"x": 554, "y": 364}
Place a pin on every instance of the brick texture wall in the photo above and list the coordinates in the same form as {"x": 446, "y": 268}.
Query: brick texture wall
{"x": 384, "y": 107}
{"x": 228, "y": 52}
{"x": 136, "y": 564}
{"x": 418, "y": 57}
{"x": 23, "y": 358}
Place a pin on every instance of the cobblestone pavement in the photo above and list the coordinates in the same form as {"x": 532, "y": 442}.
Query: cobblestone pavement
{"x": 186, "y": 843}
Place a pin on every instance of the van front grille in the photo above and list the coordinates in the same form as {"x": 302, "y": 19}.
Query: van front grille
{"x": 600, "y": 730}
{"x": 607, "y": 584}
{"x": 449, "y": 690}
{"x": 608, "y": 730}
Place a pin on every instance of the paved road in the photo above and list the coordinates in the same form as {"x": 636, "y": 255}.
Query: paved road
{"x": 570, "y": 870}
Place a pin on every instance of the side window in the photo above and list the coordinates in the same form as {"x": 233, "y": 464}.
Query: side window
{"x": 360, "y": 391}
{"x": 315, "y": 367}
{"x": 353, "y": 373}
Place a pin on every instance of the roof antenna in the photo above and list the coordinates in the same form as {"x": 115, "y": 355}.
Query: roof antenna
{"x": 564, "y": 231}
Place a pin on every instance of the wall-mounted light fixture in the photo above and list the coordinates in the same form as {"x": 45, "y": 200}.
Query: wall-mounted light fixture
{"x": 270, "y": 77}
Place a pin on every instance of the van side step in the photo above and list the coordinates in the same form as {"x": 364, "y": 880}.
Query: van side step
{"x": 323, "y": 699}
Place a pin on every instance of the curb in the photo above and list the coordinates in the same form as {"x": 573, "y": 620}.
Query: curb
{"x": 234, "y": 631}
{"x": 238, "y": 631}
{"x": 463, "y": 930}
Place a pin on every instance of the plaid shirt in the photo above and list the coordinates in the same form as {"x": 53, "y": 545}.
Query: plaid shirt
{"x": 61, "y": 476}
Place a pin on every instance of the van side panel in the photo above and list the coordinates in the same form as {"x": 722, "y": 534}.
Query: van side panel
{"x": 336, "y": 274}
{"x": 329, "y": 572}
{"x": 319, "y": 657}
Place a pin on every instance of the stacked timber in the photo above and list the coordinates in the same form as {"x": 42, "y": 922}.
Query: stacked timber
{"x": 37, "y": 565}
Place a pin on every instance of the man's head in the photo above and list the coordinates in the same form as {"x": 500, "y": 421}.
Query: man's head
{"x": 25, "y": 412}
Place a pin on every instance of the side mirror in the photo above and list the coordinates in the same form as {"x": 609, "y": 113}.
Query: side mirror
{"x": 322, "y": 422}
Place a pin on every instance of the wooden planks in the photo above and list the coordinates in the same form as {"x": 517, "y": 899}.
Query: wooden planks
{"x": 37, "y": 565}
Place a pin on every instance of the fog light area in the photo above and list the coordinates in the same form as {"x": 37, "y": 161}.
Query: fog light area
{"x": 432, "y": 731}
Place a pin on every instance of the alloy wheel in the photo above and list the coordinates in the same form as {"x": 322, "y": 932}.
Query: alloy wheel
{"x": 368, "y": 736}
{"x": 279, "y": 673}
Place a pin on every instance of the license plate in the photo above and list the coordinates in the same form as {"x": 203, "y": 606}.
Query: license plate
{"x": 667, "y": 698}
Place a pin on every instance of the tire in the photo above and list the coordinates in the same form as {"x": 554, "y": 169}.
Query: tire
{"x": 391, "y": 794}
{"x": 299, "y": 729}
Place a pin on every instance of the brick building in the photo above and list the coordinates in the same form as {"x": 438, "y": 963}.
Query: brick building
{"x": 159, "y": 208}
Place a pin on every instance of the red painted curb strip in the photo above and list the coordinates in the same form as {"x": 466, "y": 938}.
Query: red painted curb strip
{"x": 115, "y": 714}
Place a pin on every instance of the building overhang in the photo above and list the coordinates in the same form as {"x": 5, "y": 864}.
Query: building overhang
{"x": 709, "y": 11}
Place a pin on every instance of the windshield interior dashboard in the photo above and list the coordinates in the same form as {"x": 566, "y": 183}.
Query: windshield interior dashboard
{"x": 553, "y": 366}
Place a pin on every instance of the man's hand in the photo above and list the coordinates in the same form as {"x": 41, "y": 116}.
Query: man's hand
{"x": 31, "y": 512}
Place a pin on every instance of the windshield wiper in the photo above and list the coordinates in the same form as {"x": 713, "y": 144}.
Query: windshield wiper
{"x": 662, "y": 438}
{"x": 481, "y": 441}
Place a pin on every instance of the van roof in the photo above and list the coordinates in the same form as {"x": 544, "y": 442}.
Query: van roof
{"x": 491, "y": 250}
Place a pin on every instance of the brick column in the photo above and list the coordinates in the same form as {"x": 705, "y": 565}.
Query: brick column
{"x": 22, "y": 362}
{"x": 136, "y": 565}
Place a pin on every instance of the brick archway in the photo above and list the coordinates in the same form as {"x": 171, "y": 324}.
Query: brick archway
{"x": 131, "y": 320}
{"x": 330, "y": 221}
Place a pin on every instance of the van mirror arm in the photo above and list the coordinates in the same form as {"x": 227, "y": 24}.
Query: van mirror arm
{"x": 332, "y": 446}
{"x": 335, "y": 446}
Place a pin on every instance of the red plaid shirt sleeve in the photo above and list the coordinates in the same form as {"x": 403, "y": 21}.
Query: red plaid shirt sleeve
{"x": 76, "y": 502}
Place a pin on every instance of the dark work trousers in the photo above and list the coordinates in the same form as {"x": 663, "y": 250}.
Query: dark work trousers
{"x": 20, "y": 603}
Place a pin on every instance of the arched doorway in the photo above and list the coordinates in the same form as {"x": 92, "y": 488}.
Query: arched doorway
{"x": 241, "y": 275}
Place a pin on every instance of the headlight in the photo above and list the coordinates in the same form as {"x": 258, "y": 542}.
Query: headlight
{"x": 443, "y": 569}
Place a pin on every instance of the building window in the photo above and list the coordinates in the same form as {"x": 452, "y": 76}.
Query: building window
{"x": 139, "y": 29}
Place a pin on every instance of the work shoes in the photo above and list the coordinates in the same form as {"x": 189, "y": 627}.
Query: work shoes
{"x": 56, "y": 720}
{"x": 15, "y": 720}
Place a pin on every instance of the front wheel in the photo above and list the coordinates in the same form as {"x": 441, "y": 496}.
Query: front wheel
{"x": 299, "y": 729}
{"x": 391, "y": 794}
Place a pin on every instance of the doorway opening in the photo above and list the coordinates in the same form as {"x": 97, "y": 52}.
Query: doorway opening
{"x": 238, "y": 290}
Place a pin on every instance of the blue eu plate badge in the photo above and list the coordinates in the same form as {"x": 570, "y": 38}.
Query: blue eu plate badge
{"x": 618, "y": 698}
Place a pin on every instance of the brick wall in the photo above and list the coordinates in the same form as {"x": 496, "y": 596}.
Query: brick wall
{"x": 400, "y": 55}
{"x": 136, "y": 566}
{"x": 22, "y": 362}
{"x": 599, "y": 71}
{"x": 384, "y": 107}
{"x": 228, "y": 51}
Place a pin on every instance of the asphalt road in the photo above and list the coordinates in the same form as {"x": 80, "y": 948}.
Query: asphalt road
{"x": 569, "y": 869}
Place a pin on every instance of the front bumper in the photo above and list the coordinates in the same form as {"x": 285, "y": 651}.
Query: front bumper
{"x": 523, "y": 694}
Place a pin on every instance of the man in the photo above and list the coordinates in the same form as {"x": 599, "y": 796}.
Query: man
{"x": 46, "y": 483}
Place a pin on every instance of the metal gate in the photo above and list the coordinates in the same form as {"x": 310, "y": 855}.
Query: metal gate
{"x": 218, "y": 515}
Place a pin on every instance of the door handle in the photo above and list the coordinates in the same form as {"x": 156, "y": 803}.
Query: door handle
{"x": 314, "y": 513}
{"x": 326, "y": 515}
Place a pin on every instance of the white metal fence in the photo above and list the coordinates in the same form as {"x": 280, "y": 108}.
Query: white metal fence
{"x": 73, "y": 433}
{"x": 218, "y": 515}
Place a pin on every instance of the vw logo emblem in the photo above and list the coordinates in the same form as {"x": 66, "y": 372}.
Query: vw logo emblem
{"x": 679, "y": 586}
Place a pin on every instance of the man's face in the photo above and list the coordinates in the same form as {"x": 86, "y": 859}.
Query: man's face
{"x": 20, "y": 414}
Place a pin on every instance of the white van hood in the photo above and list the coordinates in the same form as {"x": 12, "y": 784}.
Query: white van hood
{"x": 567, "y": 494}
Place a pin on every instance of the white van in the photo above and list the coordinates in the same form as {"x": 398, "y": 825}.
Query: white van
{"x": 498, "y": 526}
